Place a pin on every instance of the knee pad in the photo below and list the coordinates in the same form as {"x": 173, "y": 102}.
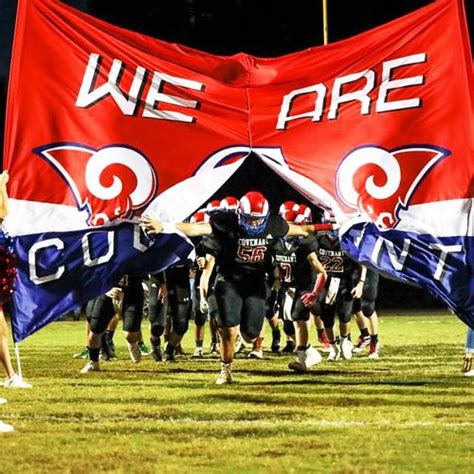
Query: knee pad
{"x": 180, "y": 327}
{"x": 200, "y": 318}
{"x": 368, "y": 307}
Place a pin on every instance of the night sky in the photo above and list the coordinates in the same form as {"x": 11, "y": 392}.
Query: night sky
{"x": 265, "y": 28}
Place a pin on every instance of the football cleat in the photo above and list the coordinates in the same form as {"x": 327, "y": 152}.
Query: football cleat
{"x": 305, "y": 360}
{"x": 346, "y": 348}
{"x": 324, "y": 341}
{"x": 144, "y": 350}
{"x": 179, "y": 349}
{"x": 134, "y": 352}
{"x": 15, "y": 381}
{"x": 334, "y": 353}
{"x": 82, "y": 355}
{"x": 91, "y": 366}
{"x": 289, "y": 348}
{"x": 110, "y": 346}
{"x": 239, "y": 345}
{"x": 215, "y": 348}
{"x": 170, "y": 358}
{"x": 225, "y": 377}
{"x": 198, "y": 353}
{"x": 257, "y": 349}
{"x": 361, "y": 343}
{"x": 2, "y": 401}
{"x": 5, "y": 427}
{"x": 373, "y": 350}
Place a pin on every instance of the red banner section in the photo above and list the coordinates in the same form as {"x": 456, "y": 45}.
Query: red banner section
{"x": 102, "y": 120}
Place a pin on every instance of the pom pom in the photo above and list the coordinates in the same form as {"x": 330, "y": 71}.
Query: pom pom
{"x": 7, "y": 274}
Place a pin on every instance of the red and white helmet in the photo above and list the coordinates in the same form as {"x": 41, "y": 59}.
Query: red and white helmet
{"x": 288, "y": 206}
{"x": 253, "y": 212}
{"x": 306, "y": 215}
{"x": 213, "y": 206}
{"x": 290, "y": 216}
{"x": 199, "y": 217}
{"x": 328, "y": 217}
{"x": 229, "y": 203}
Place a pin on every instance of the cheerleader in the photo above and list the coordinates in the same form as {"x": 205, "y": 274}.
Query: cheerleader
{"x": 7, "y": 277}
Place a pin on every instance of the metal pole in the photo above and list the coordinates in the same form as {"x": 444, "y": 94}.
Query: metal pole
{"x": 18, "y": 362}
{"x": 325, "y": 22}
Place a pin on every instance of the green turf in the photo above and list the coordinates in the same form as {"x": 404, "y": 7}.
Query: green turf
{"x": 410, "y": 411}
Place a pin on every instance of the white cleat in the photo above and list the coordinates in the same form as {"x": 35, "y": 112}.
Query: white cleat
{"x": 225, "y": 377}
{"x": 373, "y": 351}
{"x": 134, "y": 352}
{"x": 91, "y": 366}
{"x": 2, "y": 401}
{"x": 305, "y": 360}
{"x": 15, "y": 381}
{"x": 469, "y": 374}
{"x": 346, "y": 348}
{"x": 5, "y": 427}
{"x": 334, "y": 353}
{"x": 198, "y": 353}
{"x": 361, "y": 343}
{"x": 256, "y": 354}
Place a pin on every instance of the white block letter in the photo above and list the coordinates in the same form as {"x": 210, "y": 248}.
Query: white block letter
{"x": 387, "y": 84}
{"x": 32, "y": 253}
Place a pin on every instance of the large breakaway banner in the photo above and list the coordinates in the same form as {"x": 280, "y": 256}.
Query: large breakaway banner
{"x": 104, "y": 124}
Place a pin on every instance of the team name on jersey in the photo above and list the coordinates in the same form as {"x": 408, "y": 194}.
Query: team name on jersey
{"x": 331, "y": 253}
{"x": 285, "y": 258}
{"x": 253, "y": 242}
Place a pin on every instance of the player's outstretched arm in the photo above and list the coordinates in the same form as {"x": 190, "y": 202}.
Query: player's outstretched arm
{"x": 155, "y": 226}
{"x": 308, "y": 229}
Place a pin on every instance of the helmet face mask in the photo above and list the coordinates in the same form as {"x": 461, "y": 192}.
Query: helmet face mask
{"x": 252, "y": 224}
{"x": 329, "y": 218}
{"x": 253, "y": 212}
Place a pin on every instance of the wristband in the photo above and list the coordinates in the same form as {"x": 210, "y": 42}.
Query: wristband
{"x": 322, "y": 227}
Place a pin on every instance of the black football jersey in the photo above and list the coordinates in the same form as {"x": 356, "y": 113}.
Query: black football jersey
{"x": 335, "y": 261}
{"x": 242, "y": 256}
{"x": 292, "y": 258}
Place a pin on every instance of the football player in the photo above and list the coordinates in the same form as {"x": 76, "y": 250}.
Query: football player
{"x": 304, "y": 274}
{"x": 467, "y": 369}
{"x": 244, "y": 239}
{"x": 366, "y": 316}
{"x": 345, "y": 282}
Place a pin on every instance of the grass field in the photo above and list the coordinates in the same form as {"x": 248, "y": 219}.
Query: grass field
{"x": 410, "y": 411}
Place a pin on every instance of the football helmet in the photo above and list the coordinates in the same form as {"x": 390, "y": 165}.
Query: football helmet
{"x": 213, "y": 206}
{"x": 328, "y": 217}
{"x": 290, "y": 216}
{"x": 199, "y": 217}
{"x": 229, "y": 203}
{"x": 306, "y": 215}
{"x": 253, "y": 212}
{"x": 288, "y": 206}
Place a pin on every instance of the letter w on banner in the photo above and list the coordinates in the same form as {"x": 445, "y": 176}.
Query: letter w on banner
{"x": 104, "y": 124}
